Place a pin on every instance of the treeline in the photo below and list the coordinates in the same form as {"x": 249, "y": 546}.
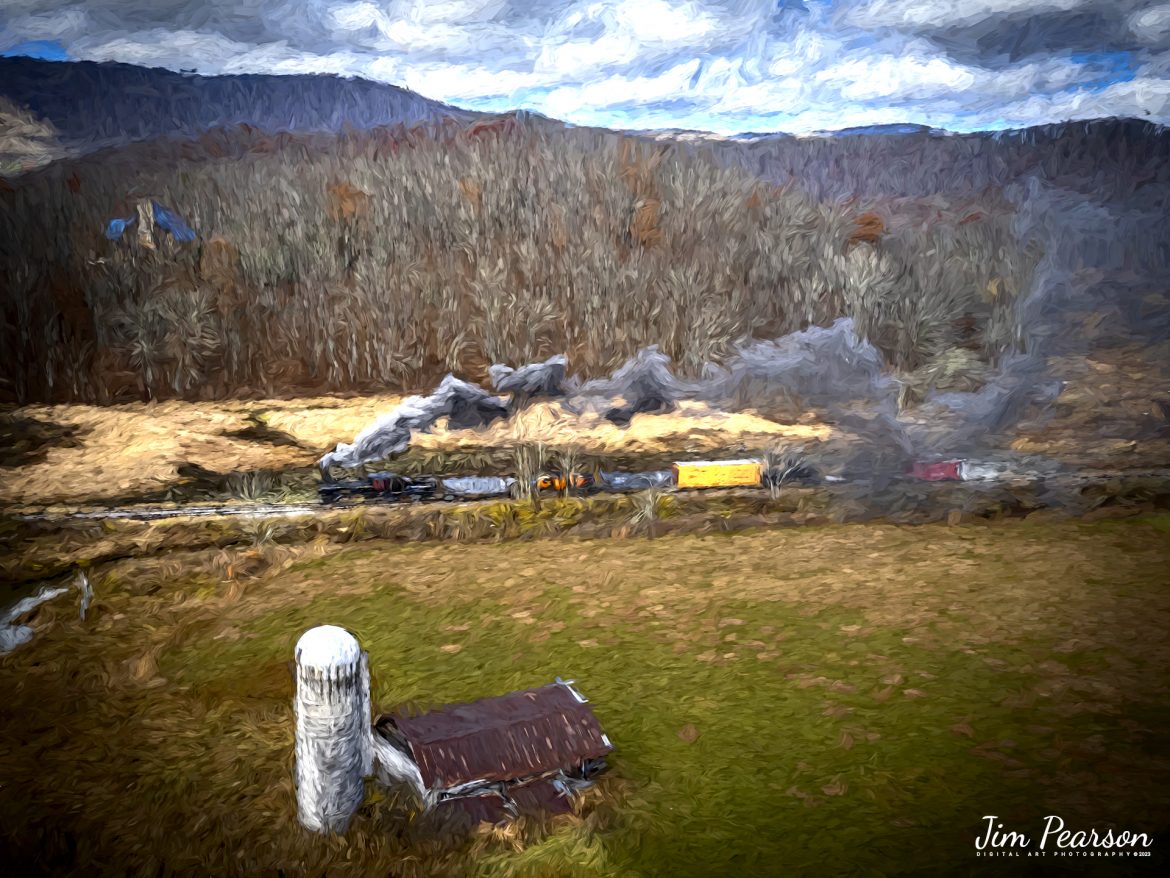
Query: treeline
{"x": 381, "y": 259}
{"x": 1108, "y": 159}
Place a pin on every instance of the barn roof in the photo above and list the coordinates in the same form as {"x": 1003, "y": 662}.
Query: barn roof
{"x": 511, "y": 736}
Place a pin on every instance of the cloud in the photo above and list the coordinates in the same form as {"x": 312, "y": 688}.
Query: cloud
{"x": 622, "y": 91}
{"x": 720, "y": 65}
{"x": 63, "y": 24}
{"x": 657, "y": 21}
{"x": 805, "y": 52}
{"x": 577, "y": 58}
{"x": 158, "y": 47}
{"x": 1144, "y": 97}
{"x": 950, "y": 13}
{"x": 1151, "y": 26}
{"x": 915, "y": 77}
{"x": 467, "y": 83}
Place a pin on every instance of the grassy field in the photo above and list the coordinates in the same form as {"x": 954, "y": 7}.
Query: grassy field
{"x": 824, "y": 700}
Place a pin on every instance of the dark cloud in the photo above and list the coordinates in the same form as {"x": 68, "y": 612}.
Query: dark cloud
{"x": 999, "y": 41}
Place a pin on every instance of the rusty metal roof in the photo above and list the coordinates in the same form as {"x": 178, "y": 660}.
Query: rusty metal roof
{"x": 512, "y": 736}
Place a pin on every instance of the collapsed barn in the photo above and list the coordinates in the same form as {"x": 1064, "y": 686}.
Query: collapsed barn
{"x": 522, "y": 753}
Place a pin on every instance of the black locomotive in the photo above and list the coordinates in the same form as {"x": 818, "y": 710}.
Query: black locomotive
{"x": 380, "y": 486}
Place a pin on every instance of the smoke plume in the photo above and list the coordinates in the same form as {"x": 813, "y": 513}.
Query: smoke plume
{"x": 1100, "y": 261}
{"x": 463, "y": 404}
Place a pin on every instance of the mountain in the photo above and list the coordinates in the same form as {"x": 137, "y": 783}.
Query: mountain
{"x": 91, "y": 105}
{"x": 881, "y": 130}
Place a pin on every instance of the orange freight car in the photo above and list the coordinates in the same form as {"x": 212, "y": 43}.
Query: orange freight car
{"x": 557, "y": 481}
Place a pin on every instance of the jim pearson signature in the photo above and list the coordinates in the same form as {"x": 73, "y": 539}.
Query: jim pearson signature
{"x": 1059, "y": 841}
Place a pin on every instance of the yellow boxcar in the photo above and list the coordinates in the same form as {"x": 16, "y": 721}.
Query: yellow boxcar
{"x": 718, "y": 473}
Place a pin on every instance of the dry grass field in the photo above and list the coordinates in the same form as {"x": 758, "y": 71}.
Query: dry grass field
{"x": 76, "y": 454}
{"x": 1112, "y": 413}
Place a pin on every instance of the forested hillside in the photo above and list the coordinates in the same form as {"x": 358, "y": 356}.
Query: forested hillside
{"x": 380, "y": 259}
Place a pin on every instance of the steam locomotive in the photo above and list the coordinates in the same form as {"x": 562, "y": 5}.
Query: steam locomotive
{"x": 379, "y": 486}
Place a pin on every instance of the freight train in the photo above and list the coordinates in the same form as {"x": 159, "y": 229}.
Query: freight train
{"x": 684, "y": 475}
{"x": 392, "y": 487}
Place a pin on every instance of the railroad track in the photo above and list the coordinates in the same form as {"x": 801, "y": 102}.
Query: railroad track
{"x": 275, "y": 510}
{"x": 263, "y": 510}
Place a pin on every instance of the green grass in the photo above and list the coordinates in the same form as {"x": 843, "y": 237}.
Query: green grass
{"x": 862, "y": 695}
{"x": 770, "y": 755}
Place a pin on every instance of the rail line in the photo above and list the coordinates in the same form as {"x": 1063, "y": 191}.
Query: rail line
{"x": 274, "y": 510}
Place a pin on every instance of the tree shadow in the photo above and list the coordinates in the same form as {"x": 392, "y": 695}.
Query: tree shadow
{"x": 25, "y": 440}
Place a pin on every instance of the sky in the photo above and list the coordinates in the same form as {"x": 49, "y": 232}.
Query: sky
{"x": 725, "y": 66}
